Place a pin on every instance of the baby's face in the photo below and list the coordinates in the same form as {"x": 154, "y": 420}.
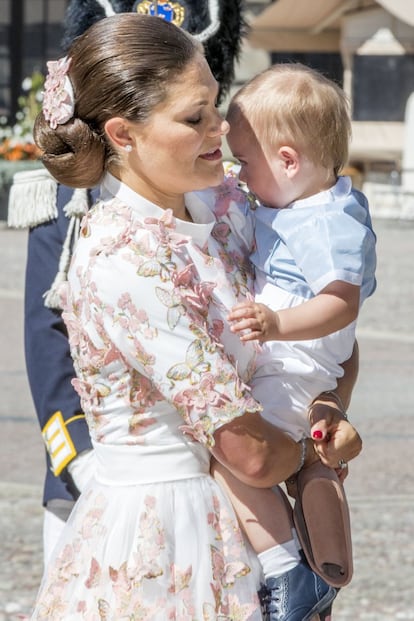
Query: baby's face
{"x": 261, "y": 172}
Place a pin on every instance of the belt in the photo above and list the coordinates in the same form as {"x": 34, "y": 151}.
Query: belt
{"x": 141, "y": 464}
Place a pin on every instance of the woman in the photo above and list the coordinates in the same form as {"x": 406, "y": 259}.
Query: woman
{"x": 153, "y": 277}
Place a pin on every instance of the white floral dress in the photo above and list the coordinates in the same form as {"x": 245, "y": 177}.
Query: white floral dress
{"x": 153, "y": 537}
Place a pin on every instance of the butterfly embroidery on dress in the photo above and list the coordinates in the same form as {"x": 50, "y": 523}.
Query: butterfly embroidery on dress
{"x": 175, "y": 308}
{"x": 103, "y": 609}
{"x": 180, "y": 579}
{"x": 94, "y": 574}
{"x": 205, "y": 338}
{"x": 227, "y": 572}
{"x": 159, "y": 265}
{"x": 193, "y": 366}
{"x": 210, "y": 614}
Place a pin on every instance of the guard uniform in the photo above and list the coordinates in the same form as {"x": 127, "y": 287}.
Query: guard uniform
{"x": 48, "y": 361}
{"x": 53, "y": 214}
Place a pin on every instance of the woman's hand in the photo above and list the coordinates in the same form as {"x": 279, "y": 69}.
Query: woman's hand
{"x": 336, "y": 440}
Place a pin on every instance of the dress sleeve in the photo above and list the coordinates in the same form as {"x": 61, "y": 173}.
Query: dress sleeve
{"x": 155, "y": 301}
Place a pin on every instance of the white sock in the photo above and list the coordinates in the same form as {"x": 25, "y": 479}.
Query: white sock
{"x": 279, "y": 559}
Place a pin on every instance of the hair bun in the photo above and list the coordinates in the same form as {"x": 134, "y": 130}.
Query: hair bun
{"x": 73, "y": 153}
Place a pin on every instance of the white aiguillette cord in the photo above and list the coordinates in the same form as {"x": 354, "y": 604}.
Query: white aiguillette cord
{"x": 107, "y": 7}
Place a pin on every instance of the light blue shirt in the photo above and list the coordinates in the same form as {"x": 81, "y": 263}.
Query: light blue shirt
{"x": 317, "y": 240}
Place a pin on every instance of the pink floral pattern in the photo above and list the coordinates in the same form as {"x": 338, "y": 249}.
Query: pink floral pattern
{"x": 149, "y": 584}
{"x": 146, "y": 314}
{"x": 58, "y": 98}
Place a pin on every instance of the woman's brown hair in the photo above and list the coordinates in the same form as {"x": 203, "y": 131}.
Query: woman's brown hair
{"x": 121, "y": 66}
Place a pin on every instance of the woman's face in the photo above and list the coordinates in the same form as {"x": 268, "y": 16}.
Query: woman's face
{"x": 178, "y": 149}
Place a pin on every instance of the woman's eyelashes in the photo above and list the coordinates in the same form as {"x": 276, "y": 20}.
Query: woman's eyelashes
{"x": 195, "y": 120}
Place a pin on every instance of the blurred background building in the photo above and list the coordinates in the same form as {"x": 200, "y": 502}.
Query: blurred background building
{"x": 30, "y": 34}
{"x": 367, "y": 46}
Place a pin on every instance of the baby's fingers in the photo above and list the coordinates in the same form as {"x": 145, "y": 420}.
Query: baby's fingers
{"x": 241, "y": 311}
{"x": 246, "y": 323}
{"x": 238, "y": 326}
{"x": 252, "y": 335}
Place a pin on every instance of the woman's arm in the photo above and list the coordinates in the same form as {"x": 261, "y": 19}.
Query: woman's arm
{"x": 346, "y": 383}
{"x": 261, "y": 455}
{"x": 334, "y": 436}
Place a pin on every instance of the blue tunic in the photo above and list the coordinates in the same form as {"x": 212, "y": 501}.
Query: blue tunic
{"x": 314, "y": 241}
{"x": 48, "y": 361}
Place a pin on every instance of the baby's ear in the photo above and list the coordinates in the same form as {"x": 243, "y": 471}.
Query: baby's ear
{"x": 290, "y": 159}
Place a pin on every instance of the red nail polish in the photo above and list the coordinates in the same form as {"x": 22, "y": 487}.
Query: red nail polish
{"x": 317, "y": 434}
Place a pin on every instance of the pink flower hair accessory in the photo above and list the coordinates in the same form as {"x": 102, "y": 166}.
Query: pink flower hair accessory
{"x": 58, "y": 97}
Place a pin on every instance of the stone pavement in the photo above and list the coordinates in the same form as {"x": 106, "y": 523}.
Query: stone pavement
{"x": 381, "y": 485}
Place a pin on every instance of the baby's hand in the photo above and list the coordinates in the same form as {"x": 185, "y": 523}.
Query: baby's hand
{"x": 255, "y": 322}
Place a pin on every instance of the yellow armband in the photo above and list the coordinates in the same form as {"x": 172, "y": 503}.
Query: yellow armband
{"x": 58, "y": 441}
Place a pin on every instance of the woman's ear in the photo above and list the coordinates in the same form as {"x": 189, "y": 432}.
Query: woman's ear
{"x": 290, "y": 160}
{"x": 117, "y": 131}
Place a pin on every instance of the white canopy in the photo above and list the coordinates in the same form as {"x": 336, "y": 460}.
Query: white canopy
{"x": 304, "y": 25}
{"x": 403, "y": 9}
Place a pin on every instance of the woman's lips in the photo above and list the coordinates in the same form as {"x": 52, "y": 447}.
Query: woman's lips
{"x": 213, "y": 154}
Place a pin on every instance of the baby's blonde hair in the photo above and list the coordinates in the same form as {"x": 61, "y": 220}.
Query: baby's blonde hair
{"x": 294, "y": 105}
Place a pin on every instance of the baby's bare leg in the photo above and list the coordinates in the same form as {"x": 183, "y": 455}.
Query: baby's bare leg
{"x": 264, "y": 514}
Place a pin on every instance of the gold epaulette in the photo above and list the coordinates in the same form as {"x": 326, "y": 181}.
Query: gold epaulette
{"x": 58, "y": 441}
{"x": 32, "y": 198}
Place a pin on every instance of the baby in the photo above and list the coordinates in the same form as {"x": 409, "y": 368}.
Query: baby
{"x": 315, "y": 265}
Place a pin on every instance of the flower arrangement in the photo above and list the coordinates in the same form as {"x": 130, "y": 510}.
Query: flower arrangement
{"x": 16, "y": 141}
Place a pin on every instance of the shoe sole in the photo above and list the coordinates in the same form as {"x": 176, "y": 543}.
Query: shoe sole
{"x": 322, "y": 605}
